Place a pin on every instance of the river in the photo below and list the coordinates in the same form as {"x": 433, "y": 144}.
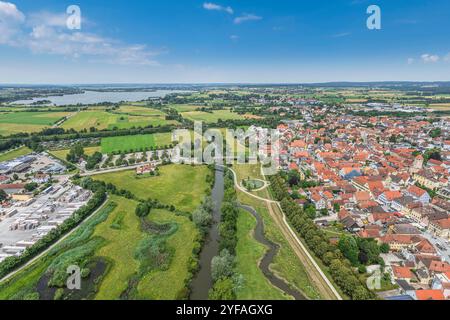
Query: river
{"x": 203, "y": 281}
{"x": 94, "y": 97}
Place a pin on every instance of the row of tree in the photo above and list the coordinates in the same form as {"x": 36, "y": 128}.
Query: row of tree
{"x": 340, "y": 268}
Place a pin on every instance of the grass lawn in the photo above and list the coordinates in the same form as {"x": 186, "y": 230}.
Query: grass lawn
{"x": 211, "y": 117}
{"x": 286, "y": 263}
{"x": 165, "y": 285}
{"x": 119, "y": 248}
{"x": 249, "y": 253}
{"x": 183, "y": 186}
{"x": 135, "y": 143}
{"x": 11, "y": 155}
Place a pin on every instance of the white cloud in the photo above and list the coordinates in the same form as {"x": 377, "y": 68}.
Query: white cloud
{"x": 430, "y": 58}
{"x": 341, "y": 35}
{"x": 11, "y": 20}
{"x": 410, "y": 60}
{"x": 447, "y": 57}
{"x": 247, "y": 17}
{"x": 217, "y": 7}
{"x": 47, "y": 33}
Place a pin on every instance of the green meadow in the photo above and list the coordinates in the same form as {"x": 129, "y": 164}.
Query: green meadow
{"x": 135, "y": 143}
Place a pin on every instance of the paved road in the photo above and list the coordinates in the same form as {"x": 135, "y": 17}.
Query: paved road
{"x": 54, "y": 245}
{"x": 127, "y": 168}
{"x": 325, "y": 286}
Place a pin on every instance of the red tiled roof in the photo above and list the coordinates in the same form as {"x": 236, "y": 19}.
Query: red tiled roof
{"x": 402, "y": 272}
{"x": 429, "y": 295}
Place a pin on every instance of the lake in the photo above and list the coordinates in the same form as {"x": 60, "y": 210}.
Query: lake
{"x": 94, "y": 97}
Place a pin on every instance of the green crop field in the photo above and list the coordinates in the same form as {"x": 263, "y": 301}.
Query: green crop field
{"x": 29, "y": 122}
{"x": 180, "y": 185}
{"x": 11, "y": 155}
{"x": 211, "y": 117}
{"x": 135, "y": 143}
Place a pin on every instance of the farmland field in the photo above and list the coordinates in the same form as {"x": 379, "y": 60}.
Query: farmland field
{"x": 440, "y": 106}
{"x": 211, "y": 117}
{"x": 106, "y": 120}
{"x": 11, "y": 155}
{"x": 185, "y": 107}
{"x": 135, "y": 143}
{"x": 17, "y": 122}
{"x": 181, "y": 185}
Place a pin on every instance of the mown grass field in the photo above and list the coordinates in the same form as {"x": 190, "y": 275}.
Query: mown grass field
{"x": 211, "y": 117}
{"x": 135, "y": 143}
{"x": 180, "y": 185}
{"x": 165, "y": 285}
{"x": 28, "y": 122}
{"x": 249, "y": 253}
{"x": 11, "y": 155}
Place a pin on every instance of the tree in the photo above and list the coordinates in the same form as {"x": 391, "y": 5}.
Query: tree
{"x": 349, "y": 249}
{"x": 384, "y": 248}
{"x": 337, "y": 207}
{"x": 3, "y": 195}
{"x": 223, "y": 290}
{"x": 222, "y": 266}
{"x": 201, "y": 218}
{"x": 75, "y": 153}
{"x": 293, "y": 178}
{"x": 142, "y": 210}
{"x": 31, "y": 186}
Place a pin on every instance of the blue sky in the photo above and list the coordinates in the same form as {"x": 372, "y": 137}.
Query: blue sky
{"x": 235, "y": 41}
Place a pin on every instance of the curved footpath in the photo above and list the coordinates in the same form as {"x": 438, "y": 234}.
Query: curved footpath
{"x": 267, "y": 260}
{"x": 324, "y": 285}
